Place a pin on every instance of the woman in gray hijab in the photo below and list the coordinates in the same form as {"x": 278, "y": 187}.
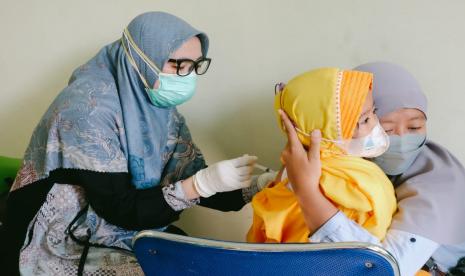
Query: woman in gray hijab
{"x": 429, "y": 180}
{"x": 427, "y": 231}
{"x": 112, "y": 155}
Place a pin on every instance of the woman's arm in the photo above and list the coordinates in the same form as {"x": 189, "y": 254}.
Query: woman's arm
{"x": 410, "y": 251}
{"x": 114, "y": 198}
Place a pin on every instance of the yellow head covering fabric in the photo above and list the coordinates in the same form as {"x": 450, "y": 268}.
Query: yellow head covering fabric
{"x": 331, "y": 100}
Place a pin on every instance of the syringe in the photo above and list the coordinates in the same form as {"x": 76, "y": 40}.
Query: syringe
{"x": 263, "y": 168}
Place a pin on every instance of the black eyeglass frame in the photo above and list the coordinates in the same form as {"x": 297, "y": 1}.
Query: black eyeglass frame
{"x": 195, "y": 65}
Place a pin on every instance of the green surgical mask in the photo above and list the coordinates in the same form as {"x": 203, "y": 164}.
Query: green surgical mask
{"x": 401, "y": 153}
{"x": 173, "y": 90}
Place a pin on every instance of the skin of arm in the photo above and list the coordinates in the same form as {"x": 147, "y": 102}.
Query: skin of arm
{"x": 189, "y": 189}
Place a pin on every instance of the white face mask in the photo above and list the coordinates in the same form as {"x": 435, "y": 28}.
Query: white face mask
{"x": 369, "y": 146}
{"x": 372, "y": 145}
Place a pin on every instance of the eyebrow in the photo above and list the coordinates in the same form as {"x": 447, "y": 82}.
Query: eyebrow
{"x": 185, "y": 58}
{"x": 368, "y": 111}
{"x": 417, "y": 118}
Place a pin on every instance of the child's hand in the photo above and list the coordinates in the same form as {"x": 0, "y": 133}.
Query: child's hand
{"x": 303, "y": 168}
{"x": 304, "y": 172}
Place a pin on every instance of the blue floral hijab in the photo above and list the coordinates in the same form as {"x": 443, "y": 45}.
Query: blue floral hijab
{"x": 103, "y": 120}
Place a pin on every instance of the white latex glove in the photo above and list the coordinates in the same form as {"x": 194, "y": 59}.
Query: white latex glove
{"x": 264, "y": 179}
{"x": 224, "y": 176}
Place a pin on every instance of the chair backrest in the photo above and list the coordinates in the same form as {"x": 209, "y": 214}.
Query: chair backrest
{"x": 8, "y": 169}
{"x": 162, "y": 253}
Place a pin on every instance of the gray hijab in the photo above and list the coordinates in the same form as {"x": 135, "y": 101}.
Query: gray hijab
{"x": 430, "y": 193}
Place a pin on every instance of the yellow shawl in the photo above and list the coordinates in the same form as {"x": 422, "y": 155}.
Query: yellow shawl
{"x": 331, "y": 100}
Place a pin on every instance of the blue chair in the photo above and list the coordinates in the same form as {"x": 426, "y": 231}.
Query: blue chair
{"x": 162, "y": 253}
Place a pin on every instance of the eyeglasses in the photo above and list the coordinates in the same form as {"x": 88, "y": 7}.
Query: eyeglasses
{"x": 185, "y": 66}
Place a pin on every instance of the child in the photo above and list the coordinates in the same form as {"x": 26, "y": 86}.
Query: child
{"x": 340, "y": 104}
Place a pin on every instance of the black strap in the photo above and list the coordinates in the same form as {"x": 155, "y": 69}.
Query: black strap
{"x": 82, "y": 260}
{"x": 70, "y": 231}
{"x": 85, "y": 243}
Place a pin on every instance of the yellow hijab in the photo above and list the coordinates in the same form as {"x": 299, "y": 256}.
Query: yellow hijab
{"x": 331, "y": 100}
